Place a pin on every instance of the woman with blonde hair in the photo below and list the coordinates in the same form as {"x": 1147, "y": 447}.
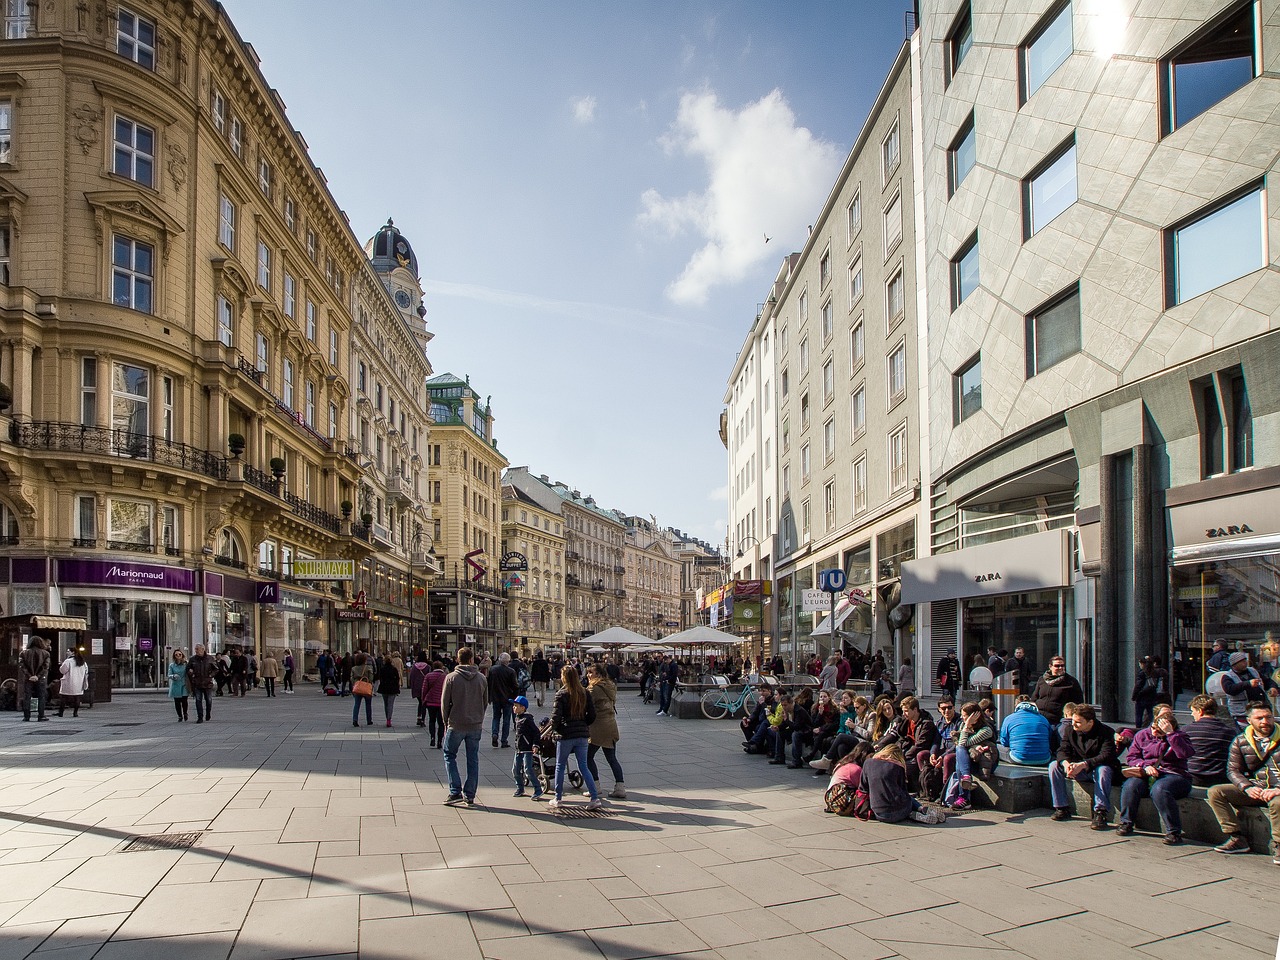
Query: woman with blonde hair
{"x": 572, "y": 714}
{"x": 884, "y": 777}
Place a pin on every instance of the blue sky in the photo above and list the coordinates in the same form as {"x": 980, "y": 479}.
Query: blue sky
{"x": 588, "y": 187}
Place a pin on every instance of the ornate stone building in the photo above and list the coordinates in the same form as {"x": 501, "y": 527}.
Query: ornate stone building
{"x": 535, "y": 608}
{"x": 652, "y": 579}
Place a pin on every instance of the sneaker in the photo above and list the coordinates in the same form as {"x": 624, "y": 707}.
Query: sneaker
{"x": 1061, "y": 813}
{"x": 822, "y": 763}
{"x": 1275, "y": 860}
{"x": 596, "y": 804}
{"x": 495, "y": 741}
{"x": 453, "y": 798}
{"x": 1234, "y": 844}
{"x": 1124, "y": 829}
{"x": 553, "y": 806}
{"x": 619, "y": 792}
{"x": 539, "y": 797}
{"x": 961, "y": 804}
{"x": 659, "y": 714}
{"x": 930, "y": 815}
{"x": 1101, "y": 820}
{"x": 1175, "y": 840}
{"x": 470, "y": 801}
{"x": 519, "y": 793}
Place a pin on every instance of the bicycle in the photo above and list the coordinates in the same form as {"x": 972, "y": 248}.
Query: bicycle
{"x": 718, "y": 704}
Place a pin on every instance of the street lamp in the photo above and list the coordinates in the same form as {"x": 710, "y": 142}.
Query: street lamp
{"x": 760, "y": 619}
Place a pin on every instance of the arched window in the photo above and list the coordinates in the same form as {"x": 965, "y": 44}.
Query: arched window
{"x": 8, "y": 526}
{"x": 230, "y": 552}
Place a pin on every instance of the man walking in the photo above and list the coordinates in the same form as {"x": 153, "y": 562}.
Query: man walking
{"x": 949, "y": 675}
{"x": 669, "y": 672}
{"x": 503, "y": 689}
{"x": 462, "y": 708}
{"x": 540, "y": 673}
{"x": 200, "y": 671}
{"x": 34, "y": 663}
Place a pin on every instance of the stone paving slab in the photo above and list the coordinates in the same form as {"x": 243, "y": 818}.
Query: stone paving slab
{"x": 320, "y": 840}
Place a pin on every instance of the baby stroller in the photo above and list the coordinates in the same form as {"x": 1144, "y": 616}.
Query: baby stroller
{"x": 547, "y": 761}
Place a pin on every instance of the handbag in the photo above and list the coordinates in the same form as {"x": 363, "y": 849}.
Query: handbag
{"x": 362, "y": 688}
{"x": 840, "y": 800}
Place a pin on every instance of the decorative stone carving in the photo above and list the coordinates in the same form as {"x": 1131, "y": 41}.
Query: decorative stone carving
{"x": 87, "y": 121}
{"x": 177, "y": 164}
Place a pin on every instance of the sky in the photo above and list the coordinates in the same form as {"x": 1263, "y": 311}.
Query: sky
{"x": 588, "y": 187}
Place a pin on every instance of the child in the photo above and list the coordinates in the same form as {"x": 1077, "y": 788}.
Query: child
{"x": 1064, "y": 726}
{"x": 527, "y": 740}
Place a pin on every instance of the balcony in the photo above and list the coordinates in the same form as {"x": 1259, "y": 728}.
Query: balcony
{"x": 110, "y": 442}
{"x": 400, "y": 490}
{"x": 259, "y": 379}
{"x": 619, "y": 593}
{"x": 572, "y": 555}
{"x": 620, "y": 570}
{"x": 302, "y": 508}
{"x": 127, "y": 547}
{"x": 570, "y": 580}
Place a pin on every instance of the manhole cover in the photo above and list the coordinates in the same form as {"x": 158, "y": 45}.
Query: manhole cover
{"x": 163, "y": 841}
{"x": 53, "y": 732}
{"x": 582, "y": 813}
{"x": 134, "y": 724}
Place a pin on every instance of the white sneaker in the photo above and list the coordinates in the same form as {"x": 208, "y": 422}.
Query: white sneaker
{"x": 822, "y": 763}
{"x": 553, "y": 806}
{"x": 596, "y": 804}
{"x": 930, "y": 815}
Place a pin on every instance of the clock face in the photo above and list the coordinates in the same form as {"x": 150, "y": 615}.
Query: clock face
{"x": 402, "y": 300}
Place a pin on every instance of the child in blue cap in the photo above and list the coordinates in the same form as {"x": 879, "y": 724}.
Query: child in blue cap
{"x": 528, "y": 740}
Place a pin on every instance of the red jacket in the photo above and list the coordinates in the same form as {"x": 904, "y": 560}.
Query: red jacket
{"x": 432, "y": 685}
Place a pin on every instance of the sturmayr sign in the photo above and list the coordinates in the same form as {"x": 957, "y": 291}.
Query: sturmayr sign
{"x": 119, "y": 573}
{"x": 324, "y": 569}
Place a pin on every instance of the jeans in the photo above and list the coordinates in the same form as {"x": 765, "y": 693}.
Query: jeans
{"x": 204, "y": 704}
{"x": 578, "y": 749}
{"x": 454, "y": 739}
{"x": 239, "y": 685}
{"x": 502, "y": 711}
{"x": 1165, "y": 793}
{"x": 37, "y": 690}
{"x": 610, "y": 757}
{"x": 664, "y": 697}
{"x": 1099, "y": 776}
{"x": 179, "y": 704}
{"x": 288, "y": 680}
{"x": 842, "y": 744}
{"x": 270, "y": 684}
{"x": 526, "y": 766}
{"x": 388, "y": 705}
{"x": 799, "y": 740}
{"x": 539, "y": 691}
{"x": 355, "y": 709}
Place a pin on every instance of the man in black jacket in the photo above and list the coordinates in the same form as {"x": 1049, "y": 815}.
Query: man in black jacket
{"x": 1212, "y": 741}
{"x": 669, "y": 673}
{"x": 1087, "y": 755}
{"x": 949, "y": 675}
{"x": 1055, "y": 690}
{"x": 34, "y": 668}
{"x": 201, "y": 671}
{"x": 920, "y": 735}
{"x": 540, "y": 674}
{"x": 503, "y": 689}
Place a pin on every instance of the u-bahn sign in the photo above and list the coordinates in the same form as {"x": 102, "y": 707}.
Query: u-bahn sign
{"x": 512, "y": 562}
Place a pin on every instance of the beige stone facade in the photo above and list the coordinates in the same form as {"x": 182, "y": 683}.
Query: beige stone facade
{"x": 652, "y": 582}
{"x": 535, "y": 611}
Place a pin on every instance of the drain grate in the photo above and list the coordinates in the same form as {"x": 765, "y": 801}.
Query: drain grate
{"x": 162, "y": 841}
{"x": 53, "y": 732}
{"x": 137, "y": 723}
{"x": 582, "y": 813}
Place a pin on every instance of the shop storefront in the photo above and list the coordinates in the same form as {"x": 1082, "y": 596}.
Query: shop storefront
{"x": 230, "y": 613}
{"x": 295, "y": 620}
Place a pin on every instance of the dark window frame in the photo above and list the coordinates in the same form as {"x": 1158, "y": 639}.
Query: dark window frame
{"x": 1170, "y": 236}
{"x": 1052, "y": 157}
{"x": 969, "y": 127}
{"x": 1167, "y": 87}
{"x": 970, "y": 245}
{"x": 1034, "y": 367}
{"x": 956, "y": 52}
{"x": 1039, "y": 30}
{"x": 958, "y": 416}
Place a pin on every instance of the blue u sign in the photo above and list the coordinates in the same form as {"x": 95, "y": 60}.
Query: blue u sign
{"x": 832, "y": 581}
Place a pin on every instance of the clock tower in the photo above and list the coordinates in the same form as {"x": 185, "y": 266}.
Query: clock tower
{"x": 393, "y": 258}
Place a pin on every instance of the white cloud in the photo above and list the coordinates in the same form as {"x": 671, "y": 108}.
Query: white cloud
{"x": 719, "y": 494}
{"x": 584, "y": 109}
{"x": 765, "y": 176}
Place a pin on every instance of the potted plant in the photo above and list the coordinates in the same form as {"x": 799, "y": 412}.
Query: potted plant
{"x": 346, "y": 509}
{"x": 366, "y": 519}
{"x": 6, "y": 397}
{"x": 235, "y": 443}
{"x": 277, "y": 467}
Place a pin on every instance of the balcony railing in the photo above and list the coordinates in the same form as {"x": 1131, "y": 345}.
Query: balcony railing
{"x": 572, "y": 581}
{"x": 307, "y": 511}
{"x": 85, "y": 543}
{"x": 230, "y": 562}
{"x": 259, "y": 377}
{"x": 111, "y": 442}
{"x": 262, "y": 481}
{"x": 128, "y": 547}
{"x": 9, "y": 540}
{"x": 620, "y": 570}
{"x": 572, "y": 555}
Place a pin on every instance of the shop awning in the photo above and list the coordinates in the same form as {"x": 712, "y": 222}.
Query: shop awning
{"x": 49, "y": 621}
{"x": 845, "y": 607}
{"x": 1039, "y": 561}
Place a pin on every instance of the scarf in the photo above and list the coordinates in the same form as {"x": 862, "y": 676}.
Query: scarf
{"x": 1260, "y": 748}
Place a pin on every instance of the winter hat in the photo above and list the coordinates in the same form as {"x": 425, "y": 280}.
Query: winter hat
{"x": 1238, "y": 657}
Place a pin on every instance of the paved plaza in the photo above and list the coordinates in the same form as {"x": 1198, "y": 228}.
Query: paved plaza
{"x": 316, "y": 839}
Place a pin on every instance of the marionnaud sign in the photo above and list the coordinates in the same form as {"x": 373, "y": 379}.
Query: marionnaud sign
{"x": 122, "y": 573}
{"x": 324, "y": 569}
{"x": 512, "y": 561}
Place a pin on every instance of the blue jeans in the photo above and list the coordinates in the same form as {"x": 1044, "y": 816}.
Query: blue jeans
{"x": 526, "y": 766}
{"x": 204, "y": 704}
{"x": 578, "y": 749}
{"x": 502, "y": 711}
{"x": 453, "y": 739}
{"x": 1099, "y": 776}
{"x": 1165, "y": 793}
{"x": 664, "y": 697}
{"x": 355, "y": 709}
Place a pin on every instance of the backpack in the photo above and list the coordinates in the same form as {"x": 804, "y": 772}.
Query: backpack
{"x": 522, "y": 679}
{"x": 846, "y": 802}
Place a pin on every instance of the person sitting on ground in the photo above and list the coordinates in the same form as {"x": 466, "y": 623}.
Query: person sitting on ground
{"x": 886, "y": 723}
{"x": 756, "y": 724}
{"x": 801, "y": 734}
{"x": 855, "y": 725}
{"x": 975, "y": 754}
{"x": 1211, "y": 739}
{"x": 848, "y": 770}
{"x": 918, "y": 740}
{"x": 779, "y": 728}
{"x": 1029, "y": 736}
{"x": 1087, "y": 754}
{"x": 1055, "y": 690}
{"x": 936, "y": 767}
{"x": 1254, "y": 770}
{"x": 884, "y": 777}
{"x": 1156, "y": 766}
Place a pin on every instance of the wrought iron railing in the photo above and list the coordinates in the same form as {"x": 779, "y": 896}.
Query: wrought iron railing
{"x": 9, "y": 540}
{"x": 311, "y": 513}
{"x": 230, "y": 562}
{"x": 111, "y": 442}
{"x": 255, "y": 477}
{"x": 127, "y": 547}
{"x": 259, "y": 377}
{"x": 84, "y": 542}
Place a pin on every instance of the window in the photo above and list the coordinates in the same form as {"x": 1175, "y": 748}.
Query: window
{"x": 313, "y": 244}
{"x": 288, "y": 384}
{"x": 783, "y": 341}
{"x": 786, "y": 434}
{"x": 4, "y": 254}
{"x": 6, "y": 131}
{"x": 804, "y": 356}
{"x": 134, "y": 151}
{"x": 219, "y": 111}
{"x": 804, "y": 411}
{"x": 892, "y": 225}
{"x": 131, "y": 273}
{"x": 136, "y": 38}
{"x": 1241, "y": 448}
{"x": 169, "y": 529}
{"x": 311, "y": 321}
{"x": 237, "y": 136}
{"x": 264, "y": 266}
{"x": 227, "y": 223}
{"x": 824, "y": 270}
{"x": 964, "y": 272}
{"x": 897, "y": 362}
{"x": 129, "y": 524}
{"x": 362, "y": 376}
{"x": 890, "y": 152}
{"x": 226, "y": 325}
{"x": 860, "y": 485}
{"x": 855, "y": 281}
{"x": 166, "y": 408}
{"x": 898, "y": 459}
{"x": 290, "y": 296}
{"x": 828, "y": 381}
{"x": 262, "y": 353}
{"x": 829, "y": 440}
{"x": 966, "y": 390}
{"x": 86, "y": 522}
{"x": 15, "y": 19}
{"x": 858, "y": 412}
{"x": 963, "y": 156}
{"x": 1046, "y": 50}
{"x": 1053, "y": 332}
{"x": 310, "y": 408}
{"x": 804, "y": 308}
{"x": 806, "y": 519}
{"x": 857, "y": 345}
{"x": 829, "y": 503}
{"x": 804, "y": 463}
{"x": 1226, "y": 422}
{"x": 895, "y": 298}
{"x": 130, "y": 404}
{"x": 1216, "y": 246}
{"x": 828, "y": 322}
{"x": 853, "y": 216}
{"x": 1049, "y": 189}
{"x": 960, "y": 42}
{"x": 88, "y": 392}
{"x": 264, "y": 178}
{"x": 290, "y": 215}
{"x": 1209, "y": 68}
{"x": 333, "y": 347}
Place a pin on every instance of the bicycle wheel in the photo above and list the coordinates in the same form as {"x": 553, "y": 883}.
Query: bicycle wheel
{"x": 714, "y": 706}
{"x": 751, "y": 702}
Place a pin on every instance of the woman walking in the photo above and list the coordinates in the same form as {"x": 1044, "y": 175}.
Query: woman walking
{"x": 179, "y": 690}
{"x": 389, "y": 686}
{"x": 361, "y": 690}
{"x": 604, "y": 729}
{"x": 269, "y": 670}
{"x": 571, "y": 717}
{"x": 288, "y": 671}
{"x": 432, "y": 687}
{"x": 75, "y": 681}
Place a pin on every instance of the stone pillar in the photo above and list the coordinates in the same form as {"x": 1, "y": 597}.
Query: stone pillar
{"x": 23, "y": 374}
{"x": 1145, "y": 641}
{"x": 1105, "y": 635}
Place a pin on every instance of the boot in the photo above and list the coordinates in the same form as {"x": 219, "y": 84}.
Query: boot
{"x": 619, "y": 791}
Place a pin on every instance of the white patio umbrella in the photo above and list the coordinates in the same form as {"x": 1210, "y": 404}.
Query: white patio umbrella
{"x": 617, "y": 637}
